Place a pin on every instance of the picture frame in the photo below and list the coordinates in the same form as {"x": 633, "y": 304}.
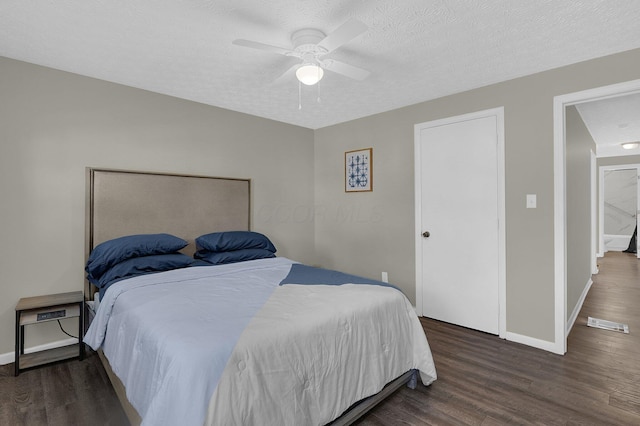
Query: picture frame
{"x": 358, "y": 170}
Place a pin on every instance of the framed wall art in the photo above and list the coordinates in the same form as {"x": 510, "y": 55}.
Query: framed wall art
{"x": 358, "y": 170}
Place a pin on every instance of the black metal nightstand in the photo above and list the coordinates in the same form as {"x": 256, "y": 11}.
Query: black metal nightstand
{"x": 35, "y": 310}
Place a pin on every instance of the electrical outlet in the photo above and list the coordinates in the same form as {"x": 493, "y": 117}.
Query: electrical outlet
{"x": 385, "y": 277}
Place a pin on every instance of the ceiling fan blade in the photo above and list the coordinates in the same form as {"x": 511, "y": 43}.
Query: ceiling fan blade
{"x": 345, "y": 33}
{"x": 288, "y": 75}
{"x": 262, "y": 46}
{"x": 344, "y": 69}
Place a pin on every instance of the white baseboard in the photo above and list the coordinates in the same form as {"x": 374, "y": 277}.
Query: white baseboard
{"x": 9, "y": 357}
{"x": 576, "y": 309}
{"x": 533, "y": 342}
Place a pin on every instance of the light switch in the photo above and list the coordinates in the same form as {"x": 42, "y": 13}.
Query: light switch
{"x": 531, "y": 201}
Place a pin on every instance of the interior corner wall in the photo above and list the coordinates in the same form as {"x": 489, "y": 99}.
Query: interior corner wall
{"x": 579, "y": 145}
{"x": 55, "y": 124}
{"x": 367, "y": 233}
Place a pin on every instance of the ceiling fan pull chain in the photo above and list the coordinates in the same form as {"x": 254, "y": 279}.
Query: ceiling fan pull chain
{"x": 318, "y": 89}
{"x": 299, "y": 95}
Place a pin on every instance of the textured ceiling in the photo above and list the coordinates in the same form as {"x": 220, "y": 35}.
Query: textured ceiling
{"x": 416, "y": 50}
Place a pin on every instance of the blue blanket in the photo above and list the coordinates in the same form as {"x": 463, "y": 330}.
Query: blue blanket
{"x": 309, "y": 275}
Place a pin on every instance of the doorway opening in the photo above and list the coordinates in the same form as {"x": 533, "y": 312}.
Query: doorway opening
{"x": 618, "y": 206}
{"x": 562, "y": 323}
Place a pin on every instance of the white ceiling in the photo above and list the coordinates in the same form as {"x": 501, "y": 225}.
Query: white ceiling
{"x": 613, "y": 122}
{"x": 416, "y": 50}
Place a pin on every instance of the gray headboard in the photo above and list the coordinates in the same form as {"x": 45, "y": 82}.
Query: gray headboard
{"x": 120, "y": 202}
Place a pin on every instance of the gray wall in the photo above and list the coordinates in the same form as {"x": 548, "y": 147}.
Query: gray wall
{"x": 379, "y": 235}
{"x": 614, "y": 161}
{"x": 54, "y": 124}
{"x": 579, "y": 146}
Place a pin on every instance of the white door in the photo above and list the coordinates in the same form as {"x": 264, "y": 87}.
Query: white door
{"x": 460, "y": 203}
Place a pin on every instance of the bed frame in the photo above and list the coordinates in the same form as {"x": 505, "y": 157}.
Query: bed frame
{"x": 121, "y": 202}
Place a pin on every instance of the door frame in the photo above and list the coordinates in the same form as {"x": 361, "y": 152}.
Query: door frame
{"x": 594, "y": 213}
{"x": 560, "y": 103}
{"x": 502, "y": 286}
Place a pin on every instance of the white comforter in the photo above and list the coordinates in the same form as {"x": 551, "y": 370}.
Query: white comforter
{"x": 299, "y": 355}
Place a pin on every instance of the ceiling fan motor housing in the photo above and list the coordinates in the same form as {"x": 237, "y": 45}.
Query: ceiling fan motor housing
{"x": 306, "y": 41}
{"x": 310, "y": 45}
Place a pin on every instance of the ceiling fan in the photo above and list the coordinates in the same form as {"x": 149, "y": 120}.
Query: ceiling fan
{"x": 310, "y": 46}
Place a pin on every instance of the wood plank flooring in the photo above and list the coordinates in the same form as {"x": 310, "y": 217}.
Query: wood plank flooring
{"x": 62, "y": 394}
{"x": 482, "y": 380}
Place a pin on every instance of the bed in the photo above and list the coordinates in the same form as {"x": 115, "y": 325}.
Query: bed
{"x": 261, "y": 340}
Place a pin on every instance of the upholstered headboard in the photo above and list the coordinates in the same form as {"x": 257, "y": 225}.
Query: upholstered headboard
{"x": 120, "y": 202}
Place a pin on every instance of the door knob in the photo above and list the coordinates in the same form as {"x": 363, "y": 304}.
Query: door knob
{"x": 426, "y": 234}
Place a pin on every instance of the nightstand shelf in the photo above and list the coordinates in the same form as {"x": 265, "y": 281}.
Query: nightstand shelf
{"x": 39, "y": 309}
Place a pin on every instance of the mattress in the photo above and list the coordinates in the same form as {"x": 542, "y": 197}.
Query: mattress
{"x": 228, "y": 345}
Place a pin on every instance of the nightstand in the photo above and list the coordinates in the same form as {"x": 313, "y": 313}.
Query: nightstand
{"x": 39, "y": 309}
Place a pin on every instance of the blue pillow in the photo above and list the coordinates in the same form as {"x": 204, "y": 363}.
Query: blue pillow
{"x": 112, "y": 252}
{"x": 217, "y": 258}
{"x": 234, "y": 240}
{"x": 143, "y": 265}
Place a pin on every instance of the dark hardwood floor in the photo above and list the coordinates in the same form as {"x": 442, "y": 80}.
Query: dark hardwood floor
{"x": 482, "y": 380}
{"x": 62, "y": 394}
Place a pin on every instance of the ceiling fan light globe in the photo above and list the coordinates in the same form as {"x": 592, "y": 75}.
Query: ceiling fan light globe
{"x": 309, "y": 74}
{"x": 630, "y": 145}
